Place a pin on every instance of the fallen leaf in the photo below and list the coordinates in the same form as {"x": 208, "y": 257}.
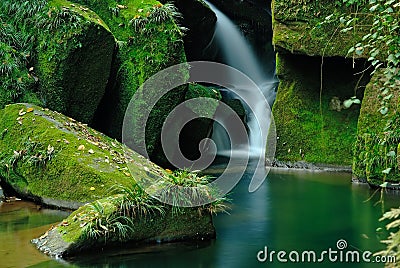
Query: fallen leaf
{"x": 30, "y": 109}
{"x": 91, "y": 151}
{"x": 66, "y": 141}
{"x": 21, "y": 112}
{"x": 127, "y": 174}
{"x": 92, "y": 188}
{"x": 81, "y": 147}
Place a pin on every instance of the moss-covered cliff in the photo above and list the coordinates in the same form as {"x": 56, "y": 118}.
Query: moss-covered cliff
{"x": 309, "y": 110}
{"x": 315, "y": 79}
{"x": 378, "y": 136}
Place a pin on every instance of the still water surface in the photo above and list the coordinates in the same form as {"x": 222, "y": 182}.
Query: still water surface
{"x": 292, "y": 211}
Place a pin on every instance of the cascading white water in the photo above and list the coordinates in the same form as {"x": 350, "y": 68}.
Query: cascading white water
{"x": 238, "y": 53}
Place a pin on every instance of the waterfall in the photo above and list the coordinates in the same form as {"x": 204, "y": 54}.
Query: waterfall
{"x": 238, "y": 53}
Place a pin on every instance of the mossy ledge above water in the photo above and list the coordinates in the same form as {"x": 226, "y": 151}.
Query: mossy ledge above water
{"x": 58, "y": 161}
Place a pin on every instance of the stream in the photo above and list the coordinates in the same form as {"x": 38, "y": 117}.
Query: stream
{"x": 292, "y": 210}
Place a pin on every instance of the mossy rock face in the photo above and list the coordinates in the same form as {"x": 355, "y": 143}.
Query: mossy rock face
{"x": 56, "y": 160}
{"x": 299, "y": 26}
{"x": 378, "y": 136}
{"x": 307, "y": 126}
{"x": 74, "y": 67}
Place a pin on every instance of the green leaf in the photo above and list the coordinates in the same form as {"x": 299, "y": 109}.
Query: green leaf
{"x": 386, "y": 171}
{"x": 359, "y": 51}
{"x": 388, "y": 97}
{"x": 374, "y": 7}
{"x": 391, "y": 153}
{"x": 384, "y": 185}
{"x": 347, "y": 103}
{"x": 383, "y": 110}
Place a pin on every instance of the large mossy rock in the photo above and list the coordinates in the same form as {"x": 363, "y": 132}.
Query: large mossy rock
{"x": 143, "y": 50}
{"x": 60, "y": 58}
{"x": 56, "y": 160}
{"x": 74, "y": 61}
{"x": 378, "y": 136}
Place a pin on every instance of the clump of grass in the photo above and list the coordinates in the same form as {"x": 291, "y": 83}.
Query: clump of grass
{"x": 32, "y": 152}
{"x": 189, "y": 189}
{"x": 156, "y": 15}
{"x": 100, "y": 224}
{"x": 137, "y": 203}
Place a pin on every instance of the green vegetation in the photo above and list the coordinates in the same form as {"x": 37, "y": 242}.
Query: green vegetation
{"x": 313, "y": 27}
{"x": 133, "y": 215}
{"x": 47, "y": 37}
{"x": 393, "y": 241}
{"x": 46, "y": 155}
{"x": 148, "y": 41}
{"x": 307, "y": 132}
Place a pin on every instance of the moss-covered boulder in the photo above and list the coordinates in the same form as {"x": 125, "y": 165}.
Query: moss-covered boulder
{"x": 61, "y": 56}
{"x": 378, "y": 136}
{"x": 149, "y": 40}
{"x": 74, "y": 60}
{"x": 56, "y": 160}
{"x": 75, "y": 234}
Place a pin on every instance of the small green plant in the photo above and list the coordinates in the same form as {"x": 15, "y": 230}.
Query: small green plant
{"x": 99, "y": 224}
{"x": 393, "y": 241}
{"x": 137, "y": 203}
{"x": 184, "y": 188}
{"x": 32, "y": 152}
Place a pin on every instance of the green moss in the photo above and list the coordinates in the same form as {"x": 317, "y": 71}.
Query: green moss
{"x": 140, "y": 54}
{"x": 190, "y": 223}
{"x": 81, "y": 158}
{"x": 301, "y": 27}
{"x": 378, "y": 136}
{"x": 75, "y": 65}
{"x": 306, "y": 132}
{"x": 64, "y": 55}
